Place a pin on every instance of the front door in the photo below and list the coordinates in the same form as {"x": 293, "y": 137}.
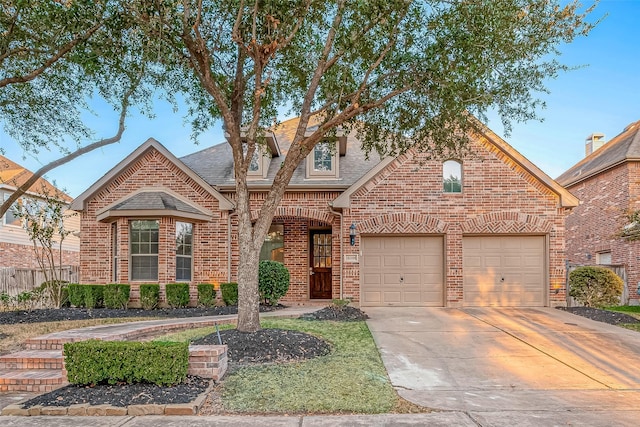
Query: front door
{"x": 320, "y": 264}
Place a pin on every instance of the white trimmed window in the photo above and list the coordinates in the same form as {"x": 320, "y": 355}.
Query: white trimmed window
{"x": 10, "y": 217}
{"x": 144, "y": 236}
{"x": 452, "y": 176}
{"x": 603, "y": 258}
{"x": 322, "y": 162}
{"x": 184, "y": 251}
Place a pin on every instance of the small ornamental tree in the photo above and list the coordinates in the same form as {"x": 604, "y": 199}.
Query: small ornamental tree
{"x": 43, "y": 220}
{"x": 595, "y": 286}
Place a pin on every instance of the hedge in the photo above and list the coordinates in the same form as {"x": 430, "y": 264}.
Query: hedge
{"x": 229, "y": 293}
{"x": 206, "y": 295}
{"x": 116, "y": 295}
{"x": 149, "y": 295}
{"x": 89, "y": 296}
{"x": 111, "y": 362}
{"x": 177, "y": 294}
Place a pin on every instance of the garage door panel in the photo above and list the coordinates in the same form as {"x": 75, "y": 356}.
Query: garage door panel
{"x": 504, "y": 270}
{"x": 417, "y": 260}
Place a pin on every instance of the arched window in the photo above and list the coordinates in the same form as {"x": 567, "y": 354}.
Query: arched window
{"x": 452, "y": 176}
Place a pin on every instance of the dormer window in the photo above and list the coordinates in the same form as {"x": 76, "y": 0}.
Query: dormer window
{"x": 323, "y": 161}
{"x": 452, "y": 176}
{"x": 259, "y": 163}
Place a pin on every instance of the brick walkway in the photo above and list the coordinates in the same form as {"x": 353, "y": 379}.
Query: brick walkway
{"x": 39, "y": 368}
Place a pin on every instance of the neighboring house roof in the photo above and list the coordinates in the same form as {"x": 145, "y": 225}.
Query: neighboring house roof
{"x": 215, "y": 164}
{"x": 624, "y": 147}
{"x": 78, "y": 202}
{"x": 12, "y": 176}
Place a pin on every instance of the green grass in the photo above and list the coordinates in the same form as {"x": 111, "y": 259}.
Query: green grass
{"x": 351, "y": 379}
{"x": 632, "y": 326}
{"x": 625, "y": 308}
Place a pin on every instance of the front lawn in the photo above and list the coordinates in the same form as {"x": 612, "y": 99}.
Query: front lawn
{"x": 351, "y": 379}
{"x": 631, "y": 310}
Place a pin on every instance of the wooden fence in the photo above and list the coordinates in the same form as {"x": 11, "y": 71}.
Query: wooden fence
{"x": 620, "y": 270}
{"x": 16, "y": 280}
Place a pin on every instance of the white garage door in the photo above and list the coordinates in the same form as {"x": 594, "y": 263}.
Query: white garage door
{"x": 504, "y": 271}
{"x": 401, "y": 271}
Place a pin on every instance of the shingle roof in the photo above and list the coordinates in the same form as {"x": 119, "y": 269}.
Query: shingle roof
{"x": 155, "y": 200}
{"x": 624, "y": 147}
{"x": 14, "y": 175}
{"x": 215, "y": 164}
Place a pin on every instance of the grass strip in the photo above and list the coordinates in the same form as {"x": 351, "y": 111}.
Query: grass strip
{"x": 351, "y": 379}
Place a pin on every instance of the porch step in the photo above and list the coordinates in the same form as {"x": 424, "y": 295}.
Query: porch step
{"x": 36, "y": 380}
{"x": 32, "y": 359}
{"x": 45, "y": 344}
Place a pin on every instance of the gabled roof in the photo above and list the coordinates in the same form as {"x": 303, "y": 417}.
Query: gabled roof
{"x": 215, "y": 164}
{"x": 12, "y": 176}
{"x": 566, "y": 199}
{"x": 154, "y": 202}
{"x": 624, "y": 147}
{"x": 78, "y": 202}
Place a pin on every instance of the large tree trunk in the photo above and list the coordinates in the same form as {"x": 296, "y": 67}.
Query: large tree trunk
{"x": 248, "y": 295}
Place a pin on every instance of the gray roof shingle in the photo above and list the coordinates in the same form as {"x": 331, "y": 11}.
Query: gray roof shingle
{"x": 624, "y": 147}
{"x": 155, "y": 200}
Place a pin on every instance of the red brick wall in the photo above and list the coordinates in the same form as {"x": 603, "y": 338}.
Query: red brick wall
{"x": 22, "y": 256}
{"x": 591, "y": 227}
{"x": 498, "y": 197}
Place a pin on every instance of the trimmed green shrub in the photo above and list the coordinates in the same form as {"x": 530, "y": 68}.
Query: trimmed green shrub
{"x": 229, "y": 293}
{"x": 149, "y": 295}
{"x": 206, "y": 295}
{"x": 116, "y": 295}
{"x": 95, "y": 362}
{"x": 273, "y": 281}
{"x": 76, "y": 294}
{"x": 595, "y": 286}
{"x": 177, "y": 294}
{"x": 93, "y": 296}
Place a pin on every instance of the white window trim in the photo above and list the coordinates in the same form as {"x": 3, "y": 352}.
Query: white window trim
{"x": 264, "y": 160}
{"x": 131, "y": 255}
{"x": 185, "y": 256}
{"x": 315, "y": 174}
{"x": 459, "y": 163}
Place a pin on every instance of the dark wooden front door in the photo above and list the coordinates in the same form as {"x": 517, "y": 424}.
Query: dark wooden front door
{"x": 320, "y": 264}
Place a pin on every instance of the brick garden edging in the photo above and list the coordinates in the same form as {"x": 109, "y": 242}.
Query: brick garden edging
{"x": 190, "y": 408}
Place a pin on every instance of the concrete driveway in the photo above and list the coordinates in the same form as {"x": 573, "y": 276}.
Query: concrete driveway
{"x": 511, "y": 365}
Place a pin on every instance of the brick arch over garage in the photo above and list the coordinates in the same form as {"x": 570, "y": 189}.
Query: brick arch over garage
{"x": 506, "y": 223}
{"x": 298, "y": 212}
{"x": 402, "y": 223}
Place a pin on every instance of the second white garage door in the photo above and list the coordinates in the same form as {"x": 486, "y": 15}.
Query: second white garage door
{"x": 402, "y": 271}
{"x": 506, "y": 271}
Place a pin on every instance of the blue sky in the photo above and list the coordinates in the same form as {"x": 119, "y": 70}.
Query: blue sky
{"x": 603, "y": 96}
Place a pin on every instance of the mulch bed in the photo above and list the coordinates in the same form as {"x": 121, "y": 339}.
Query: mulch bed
{"x": 263, "y": 347}
{"x": 605, "y": 316}
{"x": 68, "y": 313}
{"x": 341, "y": 314}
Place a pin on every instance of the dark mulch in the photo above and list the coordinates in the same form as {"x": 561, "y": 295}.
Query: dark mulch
{"x": 267, "y": 346}
{"x": 68, "y": 313}
{"x": 123, "y": 395}
{"x": 606, "y": 316}
{"x": 341, "y": 314}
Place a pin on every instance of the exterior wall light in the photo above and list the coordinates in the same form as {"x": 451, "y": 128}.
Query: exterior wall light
{"x": 352, "y": 234}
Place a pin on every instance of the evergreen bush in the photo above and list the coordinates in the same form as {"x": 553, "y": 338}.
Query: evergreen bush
{"x": 594, "y": 286}
{"x": 273, "y": 281}
{"x": 206, "y": 295}
{"x": 116, "y": 295}
{"x": 76, "y": 294}
{"x": 229, "y": 293}
{"x": 149, "y": 296}
{"x": 112, "y": 362}
{"x": 177, "y": 294}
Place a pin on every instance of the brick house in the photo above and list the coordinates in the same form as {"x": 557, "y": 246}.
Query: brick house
{"x": 607, "y": 182}
{"x": 486, "y": 229}
{"x": 16, "y": 249}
